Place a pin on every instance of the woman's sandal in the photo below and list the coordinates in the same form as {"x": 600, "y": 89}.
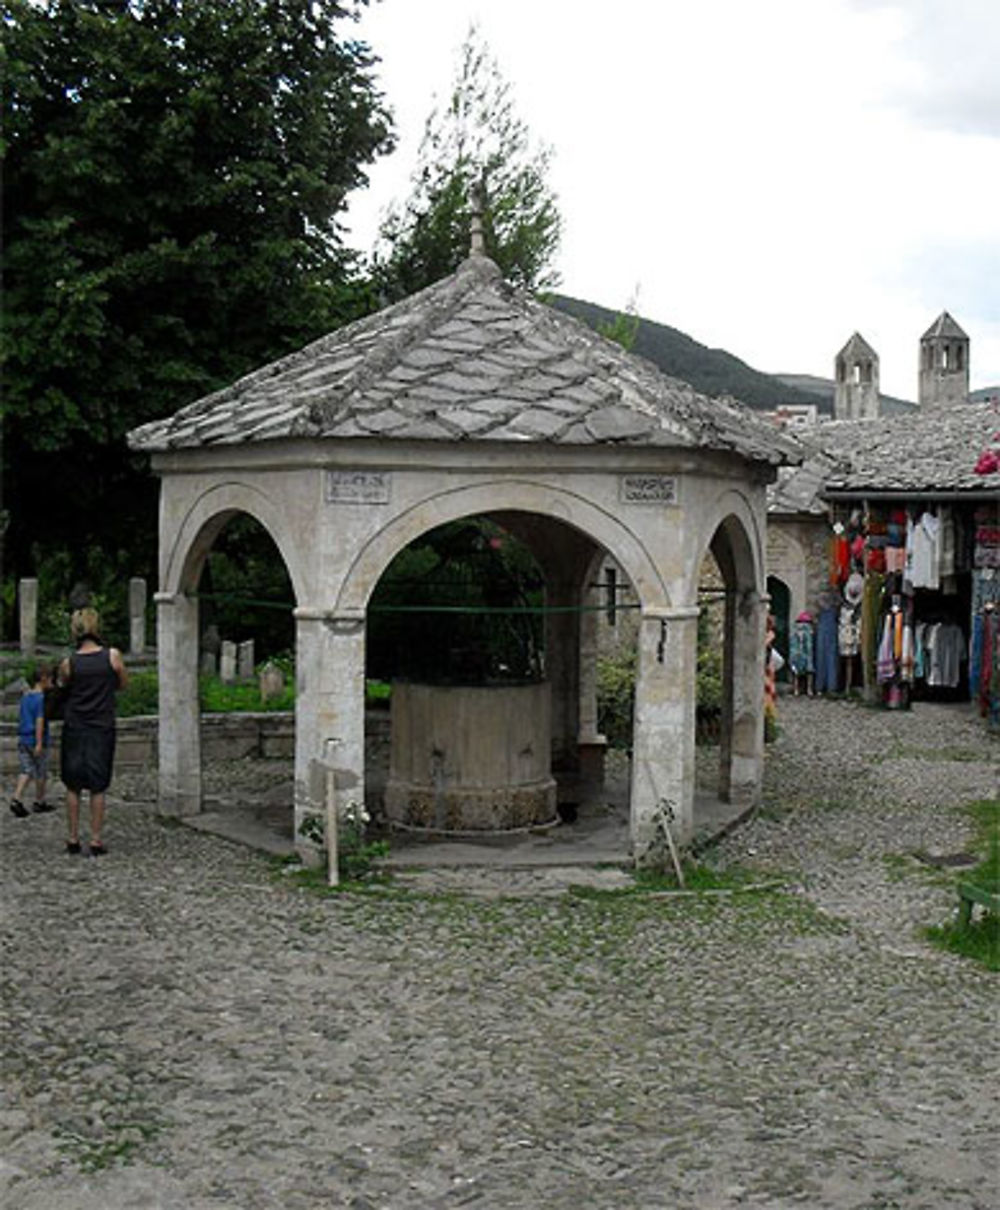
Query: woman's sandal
{"x": 97, "y": 850}
{"x": 73, "y": 847}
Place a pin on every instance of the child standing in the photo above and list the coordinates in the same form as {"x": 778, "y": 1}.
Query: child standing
{"x": 33, "y": 744}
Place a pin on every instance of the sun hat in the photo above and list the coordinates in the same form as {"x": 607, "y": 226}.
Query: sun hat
{"x": 854, "y": 588}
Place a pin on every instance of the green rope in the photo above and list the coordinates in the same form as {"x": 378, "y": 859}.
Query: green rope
{"x": 232, "y": 599}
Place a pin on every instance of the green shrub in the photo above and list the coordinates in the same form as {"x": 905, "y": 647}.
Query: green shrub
{"x": 615, "y": 695}
{"x": 141, "y": 696}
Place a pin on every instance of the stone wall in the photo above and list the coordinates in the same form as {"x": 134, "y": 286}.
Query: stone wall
{"x": 223, "y": 737}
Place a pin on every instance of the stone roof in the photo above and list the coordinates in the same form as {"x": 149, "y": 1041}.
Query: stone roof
{"x": 856, "y": 346}
{"x": 944, "y": 326}
{"x": 929, "y": 451}
{"x": 468, "y": 359}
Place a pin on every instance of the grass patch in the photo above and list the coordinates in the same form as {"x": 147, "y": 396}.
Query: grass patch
{"x": 980, "y": 939}
{"x": 314, "y": 879}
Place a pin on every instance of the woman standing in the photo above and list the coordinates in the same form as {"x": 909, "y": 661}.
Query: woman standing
{"x": 93, "y": 674}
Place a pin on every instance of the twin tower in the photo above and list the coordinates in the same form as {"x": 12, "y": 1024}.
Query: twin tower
{"x": 944, "y": 372}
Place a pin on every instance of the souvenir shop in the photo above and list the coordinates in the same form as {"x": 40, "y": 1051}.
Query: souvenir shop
{"x": 912, "y": 605}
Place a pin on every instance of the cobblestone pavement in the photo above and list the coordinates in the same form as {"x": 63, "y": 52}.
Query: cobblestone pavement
{"x": 185, "y": 1028}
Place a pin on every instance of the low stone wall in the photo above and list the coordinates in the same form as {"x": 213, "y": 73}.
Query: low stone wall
{"x": 223, "y": 737}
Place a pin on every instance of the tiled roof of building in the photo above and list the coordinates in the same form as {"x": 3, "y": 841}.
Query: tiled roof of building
{"x": 930, "y": 451}
{"x": 468, "y": 359}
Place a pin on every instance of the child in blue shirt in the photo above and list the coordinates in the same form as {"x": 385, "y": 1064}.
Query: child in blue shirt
{"x": 33, "y": 744}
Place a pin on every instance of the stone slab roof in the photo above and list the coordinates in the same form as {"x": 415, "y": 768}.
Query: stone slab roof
{"x": 927, "y": 452}
{"x": 944, "y": 326}
{"x": 468, "y": 359}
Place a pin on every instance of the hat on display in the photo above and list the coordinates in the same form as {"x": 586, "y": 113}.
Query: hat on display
{"x": 854, "y": 588}
{"x": 804, "y": 616}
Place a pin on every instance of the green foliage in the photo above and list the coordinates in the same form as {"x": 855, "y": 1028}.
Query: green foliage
{"x": 356, "y": 854}
{"x": 615, "y": 696}
{"x": 469, "y": 567}
{"x": 218, "y": 698}
{"x": 709, "y": 668}
{"x": 624, "y": 327}
{"x": 476, "y": 142}
{"x": 140, "y": 696}
{"x": 173, "y": 173}
{"x": 616, "y": 687}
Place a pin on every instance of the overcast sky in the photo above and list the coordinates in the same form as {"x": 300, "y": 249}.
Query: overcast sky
{"x": 767, "y": 176}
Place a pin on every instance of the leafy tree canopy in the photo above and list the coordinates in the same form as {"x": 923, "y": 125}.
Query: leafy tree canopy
{"x": 476, "y": 141}
{"x": 173, "y": 174}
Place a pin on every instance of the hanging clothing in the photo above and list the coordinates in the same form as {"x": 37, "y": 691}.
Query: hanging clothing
{"x": 827, "y": 651}
{"x": 801, "y": 649}
{"x": 849, "y": 630}
{"x": 923, "y": 569}
{"x": 886, "y": 663}
{"x": 947, "y": 654}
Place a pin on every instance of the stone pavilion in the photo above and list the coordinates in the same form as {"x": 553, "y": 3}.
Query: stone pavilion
{"x": 473, "y": 399}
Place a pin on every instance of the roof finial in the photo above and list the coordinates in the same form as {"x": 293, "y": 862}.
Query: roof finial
{"x": 477, "y": 199}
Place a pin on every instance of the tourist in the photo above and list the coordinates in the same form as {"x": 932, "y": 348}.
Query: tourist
{"x": 32, "y": 743}
{"x": 93, "y": 675}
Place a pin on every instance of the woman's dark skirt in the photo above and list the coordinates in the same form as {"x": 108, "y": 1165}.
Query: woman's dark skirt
{"x": 87, "y": 756}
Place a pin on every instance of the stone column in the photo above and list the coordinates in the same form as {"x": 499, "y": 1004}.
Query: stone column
{"x": 227, "y": 662}
{"x": 747, "y": 767}
{"x": 180, "y": 714}
{"x": 741, "y": 752}
{"x": 28, "y": 595}
{"x": 664, "y": 733}
{"x": 136, "y": 616}
{"x": 329, "y": 712}
{"x": 562, "y": 672}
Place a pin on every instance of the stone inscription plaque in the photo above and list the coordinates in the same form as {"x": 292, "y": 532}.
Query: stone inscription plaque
{"x": 647, "y": 489}
{"x": 358, "y": 487}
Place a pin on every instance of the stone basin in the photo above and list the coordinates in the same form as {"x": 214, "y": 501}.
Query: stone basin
{"x": 470, "y": 758}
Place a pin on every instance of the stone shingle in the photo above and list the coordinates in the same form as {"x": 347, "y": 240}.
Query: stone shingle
{"x": 468, "y": 358}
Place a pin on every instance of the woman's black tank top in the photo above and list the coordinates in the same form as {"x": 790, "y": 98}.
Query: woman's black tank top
{"x": 93, "y": 681}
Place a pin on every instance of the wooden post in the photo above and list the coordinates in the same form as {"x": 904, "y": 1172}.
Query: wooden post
{"x": 333, "y": 872}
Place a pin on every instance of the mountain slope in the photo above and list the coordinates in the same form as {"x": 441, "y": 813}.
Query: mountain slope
{"x": 711, "y": 371}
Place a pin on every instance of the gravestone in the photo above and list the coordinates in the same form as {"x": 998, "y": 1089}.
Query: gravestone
{"x": 137, "y": 615}
{"x": 28, "y": 591}
{"x": 272, "y": 682}
{"x": 244, "y": 661}
{"x": 227, "y": 662}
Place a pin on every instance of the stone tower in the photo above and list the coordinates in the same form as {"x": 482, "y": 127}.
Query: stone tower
{"x": 944, "y": 364}
{"x": 855, "y": 393}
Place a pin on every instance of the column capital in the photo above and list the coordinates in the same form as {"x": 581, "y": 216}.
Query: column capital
{"x": 671, "y": 613}
{"x": 338, "y": 620}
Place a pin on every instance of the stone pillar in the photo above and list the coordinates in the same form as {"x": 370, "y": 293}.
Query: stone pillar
{"x": 28, "y": 595}
{"x": 741, "y": 748}
{"x": 329, "y": 712}
{"x": 664, "y": 735}
{"x": 245, "y": 661}
{"x": 136, "y": 616}
{"x": 227, "y": 662}
{"x": 562, "y": 672}
{"x": 180, "y": 714}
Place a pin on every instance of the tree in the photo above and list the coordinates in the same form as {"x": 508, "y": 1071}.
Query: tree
{"x": 475, "y": 141}
{"x": 173, "y": 176}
